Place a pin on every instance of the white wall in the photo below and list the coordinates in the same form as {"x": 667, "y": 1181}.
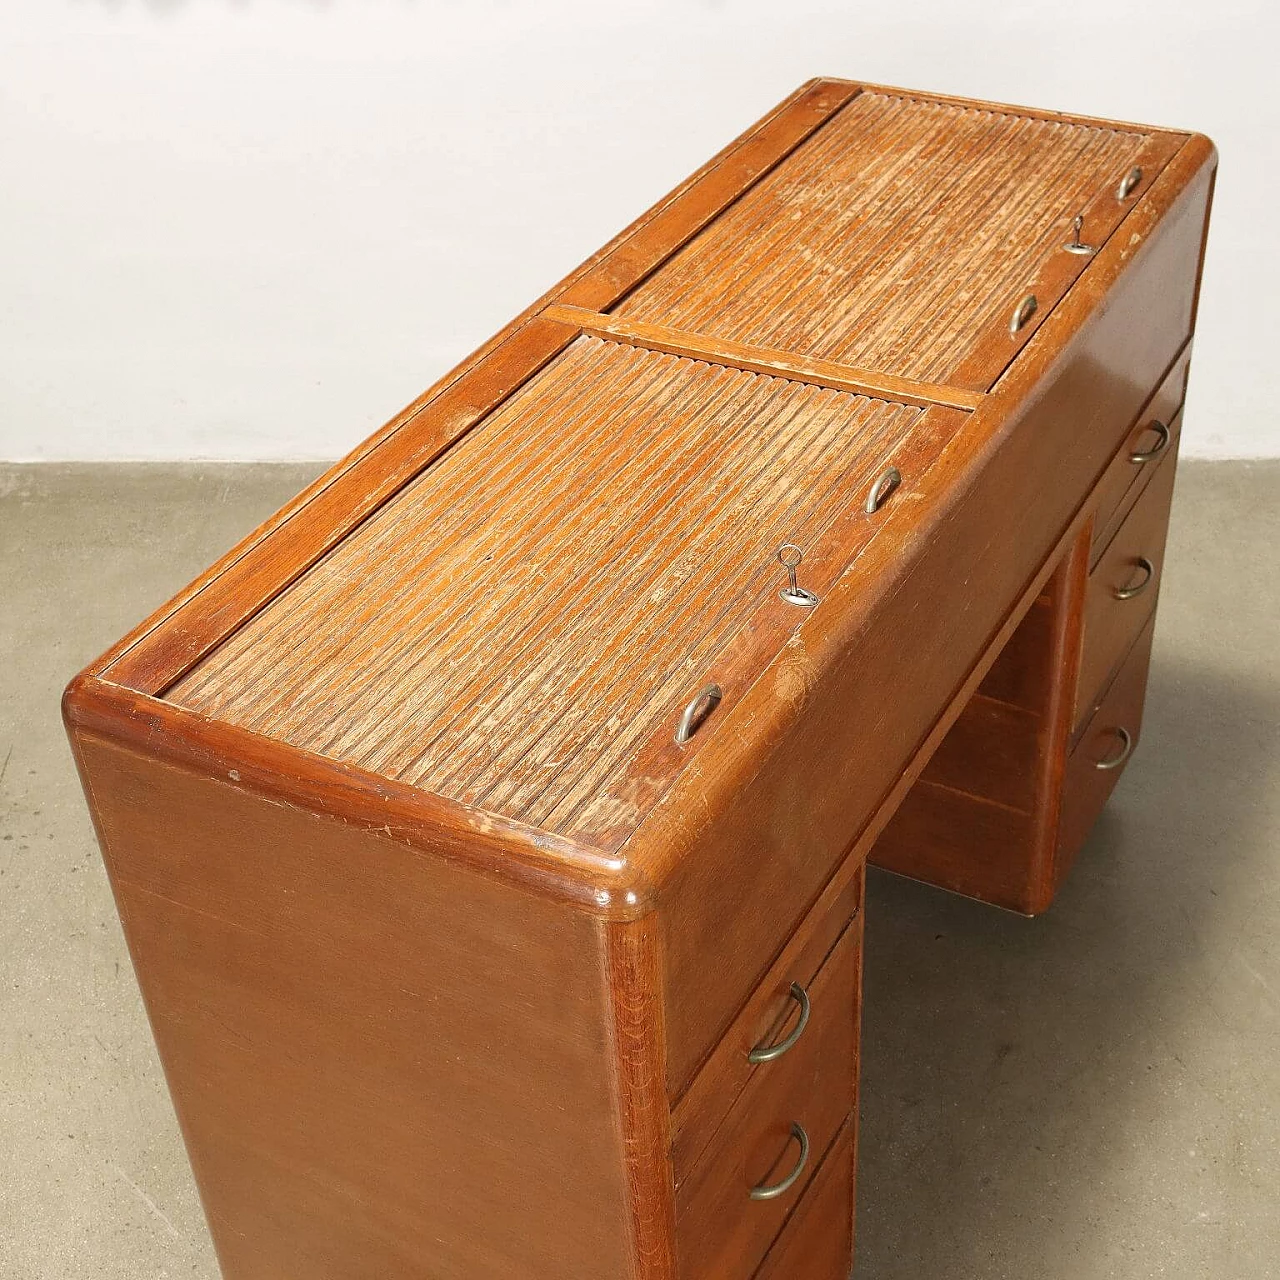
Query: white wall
{"x": 255, "y": 229}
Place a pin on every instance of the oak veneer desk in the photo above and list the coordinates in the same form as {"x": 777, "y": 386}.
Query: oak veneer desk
{"x": 488, "y": 830}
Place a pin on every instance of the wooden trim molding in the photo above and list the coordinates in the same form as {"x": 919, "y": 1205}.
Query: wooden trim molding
{"x": 633, "y": 971}
{"x": 550, "y": 865}
{"x": 782, "y": 364}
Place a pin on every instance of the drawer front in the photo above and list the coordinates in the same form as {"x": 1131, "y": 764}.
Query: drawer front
{"x": 727, "y": 1213}
{"x": 770, "y": 1021}
{"x": 1103, "y": 750}
{"x": 817, "y": 1244}
{"x": 1122, "y": 587}
{"x": 1153, "y": 438}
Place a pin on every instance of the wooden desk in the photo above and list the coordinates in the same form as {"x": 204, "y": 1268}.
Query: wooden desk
{"x": 488, "y": 828}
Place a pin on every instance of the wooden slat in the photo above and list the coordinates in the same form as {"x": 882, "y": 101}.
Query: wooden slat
{"x": 784, "y": 364}
{"x": 1019, "y": 109}
{"x": 641, "y": 763}
{"x": 848, "y": 252}
{"x": 550, "y": 866}
{"x": 239, "y": 586}
{"x": 514, "y": 627}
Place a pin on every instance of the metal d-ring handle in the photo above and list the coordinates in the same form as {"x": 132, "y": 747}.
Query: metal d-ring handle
{"x": 881, "y": 490}
{"x": 1161, "y": 444}
{"x": 1126, "y": 746}
{"x": 781, "y": 1188}
{"x": 696, "y": 712}
{"x": 1023, "y": 312}
{"x": 1129, "y": 183}
{"x": 1148, "y": 572}
{"x": 771, "y": 1052}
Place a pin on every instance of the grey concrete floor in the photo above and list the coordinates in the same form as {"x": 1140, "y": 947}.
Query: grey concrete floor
{"x": 1092, "y": 1094}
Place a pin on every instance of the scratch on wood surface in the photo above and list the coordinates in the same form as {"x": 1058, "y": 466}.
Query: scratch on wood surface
{"x": 134, "y": 887}
{"x": 794, "y": 675}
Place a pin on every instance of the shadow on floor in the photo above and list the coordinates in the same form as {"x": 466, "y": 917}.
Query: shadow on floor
{"x": 1052, "y": 1091}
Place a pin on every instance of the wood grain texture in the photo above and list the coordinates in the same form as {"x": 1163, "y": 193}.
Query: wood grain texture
{"x": 368, "y": 1048}
{"x": 720, "y": 1230}
{"x": 738, "y": 851}
{"x": 847, "y": 253}
{"x": 1086, "y": 787}
{"x": 1111, "y": 624}
{"x": 817, "y": 1244}
{"x": 735, "y": 171}
{"x": 634, "y": 978}
{"x": 517, "y": 624}
{"x": 550, "y": 866}
{"x": 783, "y": 364}
{"x": 174, "y": 638}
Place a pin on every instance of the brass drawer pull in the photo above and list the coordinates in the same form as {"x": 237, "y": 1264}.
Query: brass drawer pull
{"x": 1023, "y": 312}
{"x": 1128, "y": 183}
{"x": 771, "y": 1052}
{"x": 781, "y": 1188}
{"x": 1161, "y": 444}
{"x": 881, "y": 490}
{"x": 696, "y": 713}
{"x": 1126, "y": 746}
{"x": 1148, "y": 571}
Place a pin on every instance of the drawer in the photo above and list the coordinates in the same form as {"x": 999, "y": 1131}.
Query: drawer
{"x": 1153, "y": 437}
{"x": 769, "y": 1020}
{"x": 799, "y": 1103}
{"x": 1122, "y": 587}
{"x": 817, "y": 1244}
{"x": 1103, "y": 750}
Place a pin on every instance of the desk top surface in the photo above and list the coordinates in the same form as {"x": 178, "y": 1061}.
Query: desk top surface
{"x": 507, "y": 597}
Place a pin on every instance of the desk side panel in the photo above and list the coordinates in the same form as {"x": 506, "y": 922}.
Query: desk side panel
{"x": 384, "y": 1064}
